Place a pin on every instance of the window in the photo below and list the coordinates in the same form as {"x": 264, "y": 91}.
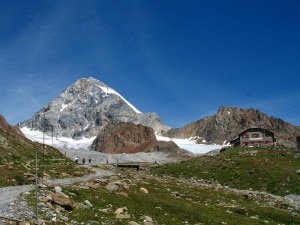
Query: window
{"x": 245, "y": 136}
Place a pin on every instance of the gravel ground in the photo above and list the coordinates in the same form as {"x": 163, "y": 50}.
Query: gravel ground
{"x": 13, "y": 204}
{"x": 102, "y": 158}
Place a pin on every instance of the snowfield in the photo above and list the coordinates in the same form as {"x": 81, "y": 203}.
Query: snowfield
{"x": 190, "y": 145}
{"x": 60, "y": 143}
{"x": 80, "y": 148}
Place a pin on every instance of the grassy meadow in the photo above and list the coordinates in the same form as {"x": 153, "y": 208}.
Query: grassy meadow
{"x": 17, "y": 161}
{"x": 175, "y": 196}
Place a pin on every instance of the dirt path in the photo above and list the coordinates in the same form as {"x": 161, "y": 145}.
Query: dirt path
{"x": 14, "y": 206}
{"x": 66, "y": 181}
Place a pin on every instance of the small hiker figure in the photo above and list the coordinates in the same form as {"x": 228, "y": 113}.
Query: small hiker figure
{"x": 90, "y": 161}
{"x": 83, "y": 161}
{"x": 76, "y": 159}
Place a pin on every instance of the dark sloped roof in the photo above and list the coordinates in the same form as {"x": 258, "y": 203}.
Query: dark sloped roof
{"x": 258, "y": 129}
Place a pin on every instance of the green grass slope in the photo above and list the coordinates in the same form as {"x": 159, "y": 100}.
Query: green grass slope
{"x": 269, "y": 170}
{"x": 187, "y": 192}
{"x": 170, "y": 201}
{"x": 17, "y": 161}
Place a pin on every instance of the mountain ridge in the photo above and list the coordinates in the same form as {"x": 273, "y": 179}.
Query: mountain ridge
{"x": 228, "y": 122}
{"x": 84, "y": 108}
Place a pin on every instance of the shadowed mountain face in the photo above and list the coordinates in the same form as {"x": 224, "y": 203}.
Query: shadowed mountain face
{"x": 126, "y": 137}
{"x": 230, "y": 121}
{"x": 84, "y": 108}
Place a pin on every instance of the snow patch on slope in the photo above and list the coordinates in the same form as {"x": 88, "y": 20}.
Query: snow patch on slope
{"x": 60, "y": 143}
{"x": 191, "y": 145}
{"x": 84, "y": 143}
{"x": 108, "y": 90}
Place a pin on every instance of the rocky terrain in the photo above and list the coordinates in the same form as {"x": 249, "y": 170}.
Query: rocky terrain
{"x": 88, "y": 105}
{"x": 84, "y": 108}
{"x": 14, "y": 205}
{"x": 94, "y": 200}
{"x": 228, "y": 122}
{"x": 59, "y": 199}
{"x": 126, "y": 137}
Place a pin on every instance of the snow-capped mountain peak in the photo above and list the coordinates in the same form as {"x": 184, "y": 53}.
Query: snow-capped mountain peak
{"x": 107, "y": 90}
{"x": 84, "y": 108}
{"x": 92, "y": 87}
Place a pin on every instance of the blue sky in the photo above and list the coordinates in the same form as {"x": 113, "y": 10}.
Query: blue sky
{"x": 181, "y": 59}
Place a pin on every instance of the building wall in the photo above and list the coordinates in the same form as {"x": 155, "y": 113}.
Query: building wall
{"x": 255, "y": 138}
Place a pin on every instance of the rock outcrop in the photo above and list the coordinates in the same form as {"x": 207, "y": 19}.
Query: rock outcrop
{"x": 230, "y": 121}
{"x": 84, "y": 108}
{"x": 126, "y": 137}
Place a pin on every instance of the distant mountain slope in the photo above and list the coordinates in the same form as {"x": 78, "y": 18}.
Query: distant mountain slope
{"x": 228, "y": 122}
{"x": 8, "y": 128}
{"x": 86, "y": 107}
{"x": 17, "y": 157}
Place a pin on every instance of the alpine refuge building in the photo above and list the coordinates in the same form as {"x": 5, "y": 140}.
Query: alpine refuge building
{"x": 255, "y": 136}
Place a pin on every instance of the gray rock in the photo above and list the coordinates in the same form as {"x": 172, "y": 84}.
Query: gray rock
{"x": 86, "y": 107}
{"x": 115, "y": 186}
{"x": 57, "y": 189}
{"x": 121, "y": 210}
{"x": 62, "y": 200}
{"x": 63, "y": 218}
{"x": 87, "y": 202}
{"x": 144, "y": 190}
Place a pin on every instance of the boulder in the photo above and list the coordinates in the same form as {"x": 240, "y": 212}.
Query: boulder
{"x": 62, "y": 200}
{"x": 87, "y": 202}
{"x": 57, "y": 189}
{"x": 144, "y": 190}
{"x": 121, "y": 210}
{"x": 116, "y": 186}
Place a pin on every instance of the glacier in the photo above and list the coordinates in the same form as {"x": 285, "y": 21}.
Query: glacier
{"x": 84, "y": 143}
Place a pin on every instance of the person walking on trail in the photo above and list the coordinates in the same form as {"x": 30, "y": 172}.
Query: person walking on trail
{"x": 83, "y": 161}
{"x": 90, "y": 161}
{"x": 76, "y": 159}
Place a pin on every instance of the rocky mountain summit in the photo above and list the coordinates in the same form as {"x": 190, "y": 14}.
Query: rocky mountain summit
{"x": 84, "y": 108}
{"x": 88, "y": 105}
{"x": 228, "y": 122}
{"x": 126, "y": 137}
